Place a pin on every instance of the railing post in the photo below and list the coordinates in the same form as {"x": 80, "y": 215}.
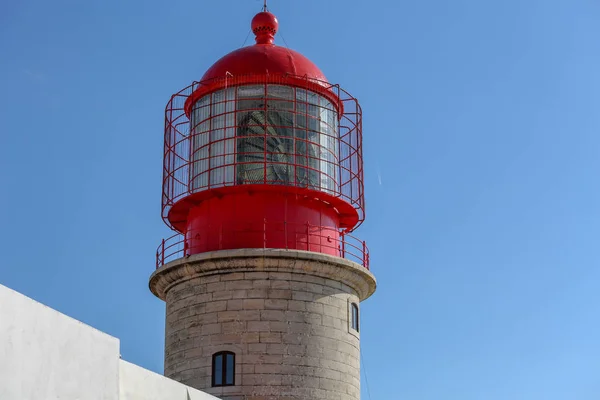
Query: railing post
{"x": 186, "y": 243}
{"x": 264, "y": 233}
{"x": 307, "y": 237}
{"x": 343, "y": 240}
{"x": 365, "y": 255}
{"x": 162, "y": 252}
{"x": 221, "y": 237}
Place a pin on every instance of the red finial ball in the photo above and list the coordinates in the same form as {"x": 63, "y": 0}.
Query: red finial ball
{"x": 264, "y": 25}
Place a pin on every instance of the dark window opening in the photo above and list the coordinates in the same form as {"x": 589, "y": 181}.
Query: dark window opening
{"x": 223, "y": 369}
{"x": 355, "y": 322}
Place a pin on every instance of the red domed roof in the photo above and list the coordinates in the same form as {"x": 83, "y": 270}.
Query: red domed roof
{"x": 263, "y": 62}
{"x": 264, "y": 57}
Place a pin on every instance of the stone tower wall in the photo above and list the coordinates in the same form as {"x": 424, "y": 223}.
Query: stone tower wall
{"x": 287, "y": 320}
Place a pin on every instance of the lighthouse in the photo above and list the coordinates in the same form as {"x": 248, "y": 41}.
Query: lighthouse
{"x": 263, "y": 186}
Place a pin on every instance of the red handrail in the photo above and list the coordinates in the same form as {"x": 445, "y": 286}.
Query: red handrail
{"x": 348, "y": 246}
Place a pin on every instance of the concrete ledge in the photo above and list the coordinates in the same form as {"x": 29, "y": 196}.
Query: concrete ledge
{"x": 357, "y": 277}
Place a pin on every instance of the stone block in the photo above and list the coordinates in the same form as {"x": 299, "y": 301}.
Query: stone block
{"x": 294, "y": 316}
{"x": 302, "y": 296}
{"x": 223, "y": 295}
{"x": 233, "y": 327}
{"x": 272, "y": 315}
{"x": 239, "y": 285}
{"x": 260, "y": 348}
{"x": 215, "y": 306}
{"x": 293, "y": 338}
{"x": 279, "y": 284}
{"x": 233, "y": 276}
{"x": 275, "y": 348}
{"x": 235, "y": 305}
{"x": 258, "y": 326}
{"x": 254, "y": 304}
{"x": 335, "y": 311}
{"x": 298, "y": 285}
{"x": 257, "y": 359}
{"x": 256, "y": 275}
{"x": 229, "y": 338}
{"x": 247, "y": 368}
{"x": 257, "y": 294}
{"x": 215, "y": 287}
{"x": 270, "y": 337}
{"x": 314, "y": 288}
{"x": 228, "y": 316}
{"x": 204, "y": 318}
{"x": 314, "y": 307}
{"x": 278, "y": 326}
{"x": 209, "y": 279}
{"x": 280, "y": 294}
{"x": 332, "y": 385}
{"x": 281, "y": 276}
{"x": 313, "y": 318}
{"x": 260, "y": 284}
{"x": 239, "y": 294}
{"x": 211, "y": 329}
{"x": 296, "y": 349}
{"x": 276, "y": 304}
{"x": 296, "y": 305}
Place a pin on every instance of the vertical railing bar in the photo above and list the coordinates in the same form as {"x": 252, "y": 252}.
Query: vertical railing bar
{"x": 264, "y": 233}
{"x": 265, "y": 136}
{"x": 307, "y": 237}
{"x": 221, "y": 237}
{"x": 285, "y": 234}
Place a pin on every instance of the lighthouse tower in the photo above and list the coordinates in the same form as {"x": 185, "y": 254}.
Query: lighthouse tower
{"x": 263, "y": 183}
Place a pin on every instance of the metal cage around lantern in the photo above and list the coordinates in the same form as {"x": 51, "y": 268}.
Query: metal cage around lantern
{"x": 288, "y": 131}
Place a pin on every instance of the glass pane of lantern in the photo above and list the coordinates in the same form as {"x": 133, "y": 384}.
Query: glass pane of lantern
{"x": 251, "y": 91}
{"x": 280, "y": 92}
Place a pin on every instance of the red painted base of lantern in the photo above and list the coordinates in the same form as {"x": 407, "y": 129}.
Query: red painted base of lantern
{"x": 262, "y": 216}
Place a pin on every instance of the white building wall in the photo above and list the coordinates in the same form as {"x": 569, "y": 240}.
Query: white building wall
{"x": 140, "y": 384}
{"x": 45, "y": 355}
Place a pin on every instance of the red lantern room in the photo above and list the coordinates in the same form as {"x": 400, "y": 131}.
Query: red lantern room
{"x": 263, "y": 152}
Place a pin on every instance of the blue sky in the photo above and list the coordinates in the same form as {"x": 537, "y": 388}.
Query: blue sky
{"x": 481, "y": 135}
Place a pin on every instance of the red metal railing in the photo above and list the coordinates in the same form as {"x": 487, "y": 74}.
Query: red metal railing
{"x": 316, "y": 239}
{"x": 198, "y": 158}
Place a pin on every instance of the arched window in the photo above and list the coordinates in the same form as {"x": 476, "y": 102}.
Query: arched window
{"x": 354, "y": 321}
{"x": 223, "y": 369}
